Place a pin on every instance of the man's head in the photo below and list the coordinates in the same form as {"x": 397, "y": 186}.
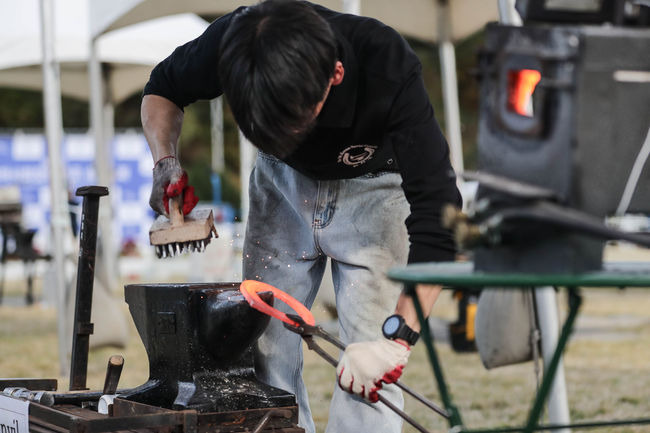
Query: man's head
{"x": 278, "y": 60}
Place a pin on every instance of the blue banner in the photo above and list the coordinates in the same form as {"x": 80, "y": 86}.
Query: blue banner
{"x": 24, "y": 164}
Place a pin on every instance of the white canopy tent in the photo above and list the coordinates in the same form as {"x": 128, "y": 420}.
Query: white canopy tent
{"x": 413, "y": 18}
{"x": 46, "y": 45}
{"x": 128, "y": 53}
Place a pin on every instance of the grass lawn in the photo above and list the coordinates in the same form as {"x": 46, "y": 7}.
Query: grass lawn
{"x": 607, "y": 365}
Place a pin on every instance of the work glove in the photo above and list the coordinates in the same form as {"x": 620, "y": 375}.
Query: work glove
{"x": 170, "y": 180}
{"x": 365, "y": 366}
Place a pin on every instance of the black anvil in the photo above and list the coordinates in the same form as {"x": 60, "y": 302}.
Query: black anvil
{"x": 199, "y": 338}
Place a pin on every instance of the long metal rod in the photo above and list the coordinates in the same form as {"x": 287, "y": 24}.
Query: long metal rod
{"x": 549, "y": 374}
{"x": 421, "y": 399}
{"x": 454, "y": 415}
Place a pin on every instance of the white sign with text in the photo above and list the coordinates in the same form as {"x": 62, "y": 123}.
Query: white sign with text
{"x": 14, "y": 415}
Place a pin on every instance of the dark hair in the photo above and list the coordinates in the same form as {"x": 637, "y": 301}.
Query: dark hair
{"x": 275, "y": 62}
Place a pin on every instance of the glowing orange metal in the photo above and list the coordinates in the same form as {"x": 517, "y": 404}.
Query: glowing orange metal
{"x": 250, "y": 288}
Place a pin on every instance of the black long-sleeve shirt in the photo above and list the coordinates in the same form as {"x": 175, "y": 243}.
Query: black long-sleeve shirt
{"x": 378, "y": 118}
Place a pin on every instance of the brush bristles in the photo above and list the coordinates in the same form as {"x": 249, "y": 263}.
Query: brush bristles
{"x": 177, "y": 248}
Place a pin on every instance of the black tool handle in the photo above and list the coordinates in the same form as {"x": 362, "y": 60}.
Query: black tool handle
{"x": 85, "y": 277}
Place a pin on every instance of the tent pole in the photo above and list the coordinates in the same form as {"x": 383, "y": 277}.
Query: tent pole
{"x": 508, "y": 14}
{"x": 352, "y": 7}
{"x": 216, "y": 133}
{"x": 547, "y": 316}
{"x": 218, "y": 161}
{"x": 247, "y": 155}
{"x": 447, "y": 55}
{"x": 101, "y": 126}
{"x": 60, "y": 219}
{"x": 107, "y": 272}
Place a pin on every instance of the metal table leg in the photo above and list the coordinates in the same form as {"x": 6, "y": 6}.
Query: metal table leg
{"x": 532, "y": 424}
{"x": 454, "y": 415}
{"x": 536, "y": 410}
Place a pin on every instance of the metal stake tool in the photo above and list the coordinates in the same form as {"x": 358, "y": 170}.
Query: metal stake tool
{"x": 85, "y": 278}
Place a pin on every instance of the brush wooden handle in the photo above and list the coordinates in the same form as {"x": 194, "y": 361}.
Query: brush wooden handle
{"x": 175, "y": 213}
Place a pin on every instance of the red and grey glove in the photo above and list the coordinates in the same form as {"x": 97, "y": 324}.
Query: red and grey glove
{"x": 170, "y": 180}
{"x": 365, "y": 367}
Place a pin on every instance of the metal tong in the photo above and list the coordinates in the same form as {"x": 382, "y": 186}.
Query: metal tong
{"x": 307, "y": 332}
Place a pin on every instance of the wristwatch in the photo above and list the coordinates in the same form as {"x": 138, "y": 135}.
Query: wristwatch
{"x": 394, "y": 327}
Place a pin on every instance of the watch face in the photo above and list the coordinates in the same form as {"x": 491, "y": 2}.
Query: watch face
{"x": 391, "y": 325}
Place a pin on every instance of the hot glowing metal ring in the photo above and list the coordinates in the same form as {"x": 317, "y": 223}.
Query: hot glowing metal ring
{"x": 250, "y": 290}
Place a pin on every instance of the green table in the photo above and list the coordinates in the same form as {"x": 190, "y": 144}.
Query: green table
{"x": 458, "y": 275}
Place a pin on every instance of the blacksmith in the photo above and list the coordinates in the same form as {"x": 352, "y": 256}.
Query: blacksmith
{"x": 352, "y": 165}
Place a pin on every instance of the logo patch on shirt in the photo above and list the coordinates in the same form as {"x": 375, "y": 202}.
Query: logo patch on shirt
{"x": 357, "y": 154}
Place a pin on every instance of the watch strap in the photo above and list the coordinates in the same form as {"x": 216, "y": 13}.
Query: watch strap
{"x": 407, "y": 334}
